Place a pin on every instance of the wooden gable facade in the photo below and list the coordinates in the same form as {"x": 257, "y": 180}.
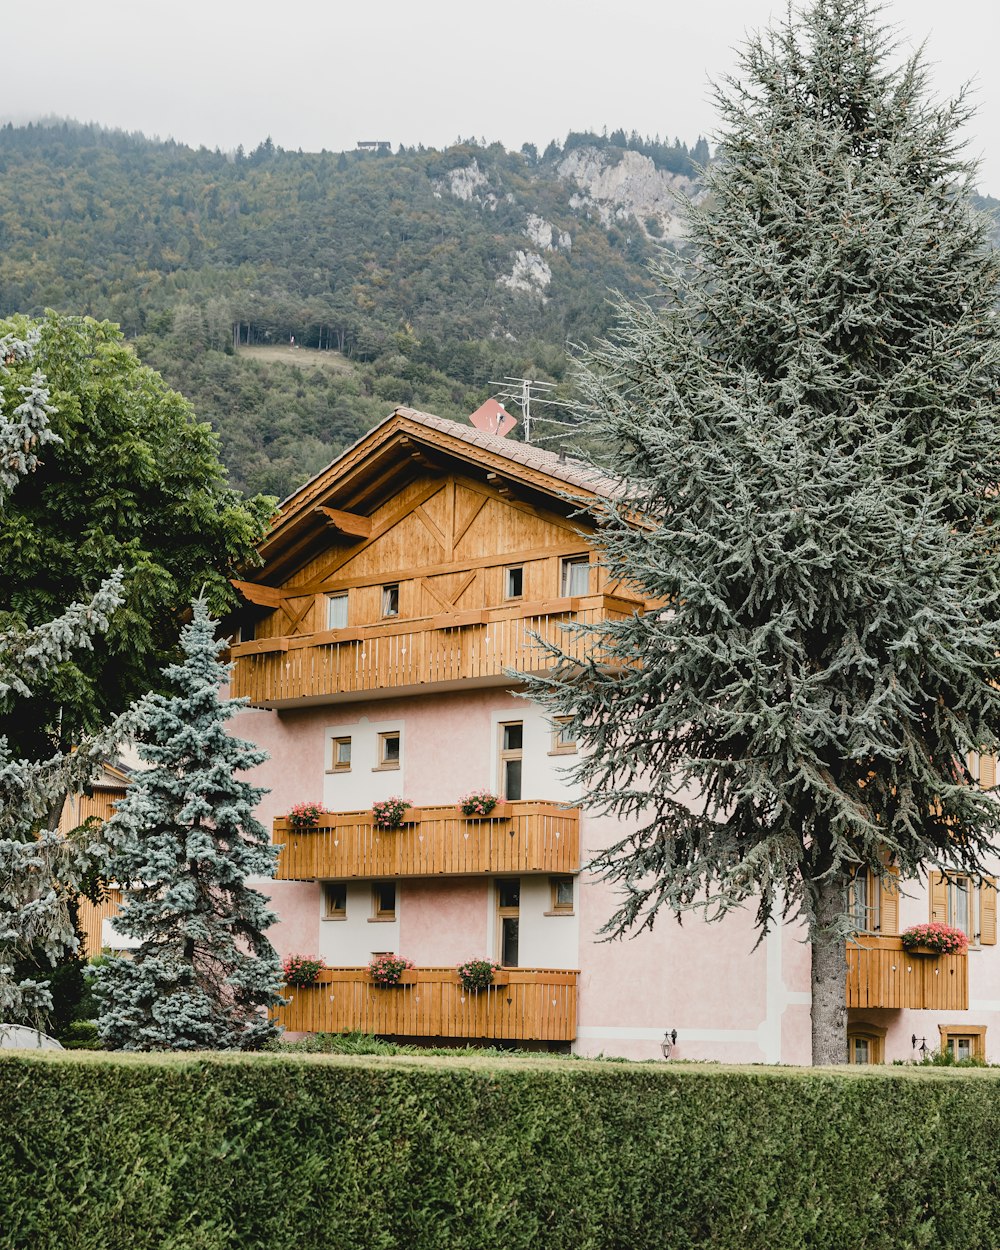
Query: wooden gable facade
{"x": 430, "y": 553}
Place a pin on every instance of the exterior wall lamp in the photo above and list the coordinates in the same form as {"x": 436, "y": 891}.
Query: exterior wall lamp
{"x": 923, "y": 1048}
{"x": 669, "y": 1042}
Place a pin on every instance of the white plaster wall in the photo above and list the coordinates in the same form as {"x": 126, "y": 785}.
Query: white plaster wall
{"x": 353, "y": 940}
{"x": 546, "y": 941}
{"x": 542, "y": 774}
{"x": 359, "y": 787}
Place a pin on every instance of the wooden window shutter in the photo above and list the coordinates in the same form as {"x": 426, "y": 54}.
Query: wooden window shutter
{"x": 988, "y": 911}
{"x": 939, "y": 898}
{"x": 889, "y": 904}
{"x": 987, "y": 771}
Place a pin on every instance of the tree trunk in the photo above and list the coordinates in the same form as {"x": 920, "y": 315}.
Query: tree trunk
{"x": 829, "y": 973}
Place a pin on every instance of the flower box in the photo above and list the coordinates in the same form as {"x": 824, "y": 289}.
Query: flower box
{"x": 501, "y": 979}
{"x": 407, "y": 977}
{"x": 924, "y": 940}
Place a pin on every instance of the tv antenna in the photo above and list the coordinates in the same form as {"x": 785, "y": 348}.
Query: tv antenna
{"x": 524, "y": 391}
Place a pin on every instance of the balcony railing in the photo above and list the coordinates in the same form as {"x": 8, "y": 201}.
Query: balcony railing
{"x": 516, "y": 838}
{"x": 460, "y": 646}
{"x": 881, "y": 974}
{"x": 535, "y": 1004}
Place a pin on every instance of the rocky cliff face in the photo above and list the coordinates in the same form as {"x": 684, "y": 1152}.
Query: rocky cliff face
{"x": 616, "y": 186}
{"x": 609, "y": 186}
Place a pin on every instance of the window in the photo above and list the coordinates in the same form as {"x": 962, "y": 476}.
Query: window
{"x": 508, "y": 915}
{"x": 983, "y": 769}
{"x": 341, "y": 756}
{"x": 865, "y": 1043}
{"x": 962, "y": 907}
{"x": 576, "y": 576}
{"x": 563, "y": 742}
{"x": 965, "y": 1041}
{"x": 390, "y": 600}
{"x": 511, "y": 754}
{"x": 336, "y": 611}
{"x": 384, "y": 900}
{"x": 562, "y": 896}
{"x": 335, "y": 900}
{"x": 513, "y": 582}
{"x": 966, "y": 903}
{"x": 864, "y": 901}
{"x": 388, "y": 750}
{"x": 873, "y": 901}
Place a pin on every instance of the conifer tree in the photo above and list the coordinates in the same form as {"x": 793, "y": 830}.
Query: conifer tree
{"x": 39, "y": 867}
{"x": 807, "y": 435}
{"x": 182, "y": 844}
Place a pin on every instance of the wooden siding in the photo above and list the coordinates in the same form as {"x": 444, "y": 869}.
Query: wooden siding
{"x": 455, "y": 647}
{"x": 881, "y": 974}
{"x": 92, "y": 916}
{"x": 98, "y": 805}
{"x": 522, "y": 837}
{"x": 537, "y": 1004}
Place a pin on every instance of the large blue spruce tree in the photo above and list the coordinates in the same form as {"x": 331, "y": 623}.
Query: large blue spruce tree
{"x": 40, "y": 868}
{"x": 807, "y": 434}
{"x": 182, "y": 844}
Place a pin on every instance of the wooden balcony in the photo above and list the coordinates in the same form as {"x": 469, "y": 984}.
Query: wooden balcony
{"x": 516, "y": 838}
{"x": 881, "y": 974}
{"x": 537, "y": 1004}
{"x": 406, "y": 656}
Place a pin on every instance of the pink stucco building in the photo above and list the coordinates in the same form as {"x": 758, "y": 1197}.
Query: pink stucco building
{"x": 399, "y": 588}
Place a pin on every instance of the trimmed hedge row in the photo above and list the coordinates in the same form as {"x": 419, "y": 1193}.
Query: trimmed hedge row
{"x": 277, "y": 1152}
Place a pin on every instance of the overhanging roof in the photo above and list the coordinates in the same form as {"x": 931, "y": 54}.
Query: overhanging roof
{"x": 395, "y": 451}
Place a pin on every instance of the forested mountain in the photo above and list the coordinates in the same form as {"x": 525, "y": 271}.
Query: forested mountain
{"x": 414, "y": 277}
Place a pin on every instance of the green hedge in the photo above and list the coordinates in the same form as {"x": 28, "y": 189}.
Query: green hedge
{"x": 291, "y": 1153}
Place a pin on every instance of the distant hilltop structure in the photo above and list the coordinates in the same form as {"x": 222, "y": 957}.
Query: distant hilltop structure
{"x": 374, "y": 145}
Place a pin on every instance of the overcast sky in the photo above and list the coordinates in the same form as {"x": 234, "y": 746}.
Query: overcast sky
{"x": 325, "y": 74}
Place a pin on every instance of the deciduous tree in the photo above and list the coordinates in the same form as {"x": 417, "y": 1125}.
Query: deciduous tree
{"x": 129, "y": 479}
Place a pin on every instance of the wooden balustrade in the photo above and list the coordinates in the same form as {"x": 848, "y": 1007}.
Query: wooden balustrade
{"x": 881, "y": 974}
{"x": 516, "y": 838}
{"x": 535, "y": 1004}
{"x": 463, "y": 646}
